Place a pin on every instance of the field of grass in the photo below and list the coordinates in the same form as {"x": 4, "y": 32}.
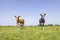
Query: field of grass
{"x": 30, "y": 33}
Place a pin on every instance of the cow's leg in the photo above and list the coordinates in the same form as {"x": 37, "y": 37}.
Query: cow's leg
{"x": 18, "y": 25}
{"x": 21, "y": 25}
{"x": 42, "y": 26}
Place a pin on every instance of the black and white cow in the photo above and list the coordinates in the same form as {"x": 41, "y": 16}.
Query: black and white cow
{"x": 42, "y": 20}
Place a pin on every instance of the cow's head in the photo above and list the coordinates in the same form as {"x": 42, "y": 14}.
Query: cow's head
{"x": 17, "y": 17}
{"x": 42, "y": 15}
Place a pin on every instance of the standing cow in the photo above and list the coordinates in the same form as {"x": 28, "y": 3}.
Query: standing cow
{"x": 19, "y": 21}
{"x": 42, "y": 20}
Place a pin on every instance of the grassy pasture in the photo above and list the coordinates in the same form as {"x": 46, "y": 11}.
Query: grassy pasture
{"x": 30, "y": 33}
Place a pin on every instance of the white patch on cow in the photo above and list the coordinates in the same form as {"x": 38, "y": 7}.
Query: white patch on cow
{"x": 20, "y": 18}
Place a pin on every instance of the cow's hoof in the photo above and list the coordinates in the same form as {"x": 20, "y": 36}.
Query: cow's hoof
{"x": 18, "y": 28}
{"x": 42, "y": 28}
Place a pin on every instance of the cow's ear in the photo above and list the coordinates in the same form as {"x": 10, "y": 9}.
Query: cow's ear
{"x": 44, "y": 14}
{"x": 14, "y": 16}
{"x": 19, "y": 16}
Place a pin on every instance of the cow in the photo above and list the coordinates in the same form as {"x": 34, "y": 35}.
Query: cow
{"x": 42, "y": 20}
{"x": 19, "y": 21}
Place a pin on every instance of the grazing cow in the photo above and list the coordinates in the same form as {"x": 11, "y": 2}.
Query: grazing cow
{"x": 19, "y": 21}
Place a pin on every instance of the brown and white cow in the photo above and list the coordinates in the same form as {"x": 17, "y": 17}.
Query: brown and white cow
{"x": 19, "y": 21}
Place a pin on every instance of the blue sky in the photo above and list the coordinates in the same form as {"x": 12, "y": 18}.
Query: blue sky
{"x": 29, "y": 10}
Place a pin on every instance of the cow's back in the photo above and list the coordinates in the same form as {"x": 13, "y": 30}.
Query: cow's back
{"x": 21, "y": 21}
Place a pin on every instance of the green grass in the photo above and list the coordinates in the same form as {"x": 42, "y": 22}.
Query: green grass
{"x": 30, "y": 33}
